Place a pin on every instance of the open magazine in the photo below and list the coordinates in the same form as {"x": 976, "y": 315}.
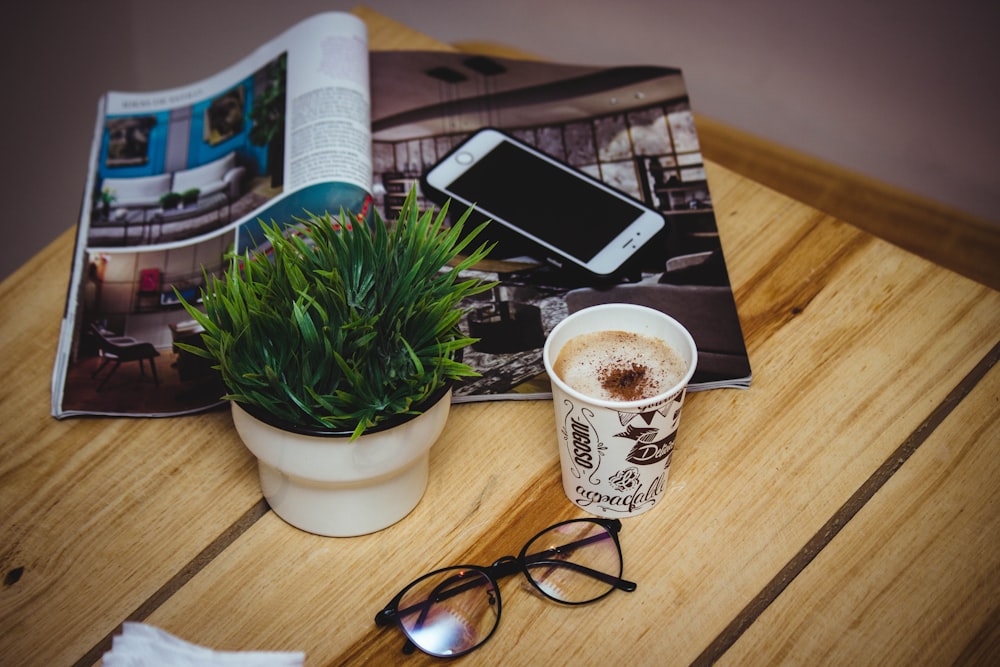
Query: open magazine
{"x": 312, "y": 121}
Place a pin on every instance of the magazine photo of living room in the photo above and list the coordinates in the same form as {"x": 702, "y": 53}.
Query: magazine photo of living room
{"x": 127, "y": 359}
{"x": 175, "y": 174}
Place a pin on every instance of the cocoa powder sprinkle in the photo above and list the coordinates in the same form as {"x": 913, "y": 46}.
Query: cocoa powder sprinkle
{"x": 627, "y": 382}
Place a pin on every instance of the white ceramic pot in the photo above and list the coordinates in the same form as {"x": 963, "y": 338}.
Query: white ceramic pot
{"x": 324, "y": 483}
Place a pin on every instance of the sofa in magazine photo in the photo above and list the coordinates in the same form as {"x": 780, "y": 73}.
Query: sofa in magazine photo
{"x": 140, "y": 209}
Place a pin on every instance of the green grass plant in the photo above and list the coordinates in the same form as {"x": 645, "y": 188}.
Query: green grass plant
{"x": 343, "y": 324}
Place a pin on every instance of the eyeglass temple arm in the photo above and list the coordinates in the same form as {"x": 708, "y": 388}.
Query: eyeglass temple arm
{"x": 387, "y": 617}
{"x": 610, "y": 579}
{"x": 545, "y": 558}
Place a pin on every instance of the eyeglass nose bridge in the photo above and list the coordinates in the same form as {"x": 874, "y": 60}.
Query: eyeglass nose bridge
{"x": 505, "y": 566}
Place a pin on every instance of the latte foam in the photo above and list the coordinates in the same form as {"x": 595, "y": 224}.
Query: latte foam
{"x": 619, "y": 365}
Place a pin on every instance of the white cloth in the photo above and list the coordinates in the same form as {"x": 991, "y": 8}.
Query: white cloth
{"x": 141, "y": 645}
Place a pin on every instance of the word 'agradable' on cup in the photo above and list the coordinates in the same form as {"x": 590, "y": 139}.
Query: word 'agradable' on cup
{"x": 619, "y": 376}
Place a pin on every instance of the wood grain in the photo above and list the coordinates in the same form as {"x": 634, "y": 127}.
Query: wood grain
{"x": 837, "y": 349}
{"x": 944, "y": 235}
{"x": 931, "y": 540}
{"x": 857, "y": 349}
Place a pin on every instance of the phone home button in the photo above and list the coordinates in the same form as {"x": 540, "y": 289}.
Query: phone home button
{"x": 463, "y": 157}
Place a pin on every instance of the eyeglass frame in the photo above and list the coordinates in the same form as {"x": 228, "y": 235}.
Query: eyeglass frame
{"x": 507, "y": 566}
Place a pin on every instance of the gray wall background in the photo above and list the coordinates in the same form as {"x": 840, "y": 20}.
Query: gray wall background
{"x": 903, "y": 91}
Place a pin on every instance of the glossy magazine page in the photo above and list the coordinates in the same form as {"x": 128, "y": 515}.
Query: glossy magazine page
{"x": 181, "y": 178}
{"x": 630, "y": 128}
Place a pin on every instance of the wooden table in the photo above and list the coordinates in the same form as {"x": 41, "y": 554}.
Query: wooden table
{"x": 844, "y": 510}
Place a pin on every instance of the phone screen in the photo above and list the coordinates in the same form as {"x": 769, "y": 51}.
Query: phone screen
{"x": 552, "y": 204}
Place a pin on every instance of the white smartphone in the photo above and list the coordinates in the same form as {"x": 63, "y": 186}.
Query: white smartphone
{"x": 572, "y": 218}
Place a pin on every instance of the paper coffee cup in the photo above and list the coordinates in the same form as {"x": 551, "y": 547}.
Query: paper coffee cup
{"x": 615, "y": 454}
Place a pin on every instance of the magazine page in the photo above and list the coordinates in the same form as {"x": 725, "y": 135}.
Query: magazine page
{"x": 627, "y": 128}
{"x": 181, "y": 178}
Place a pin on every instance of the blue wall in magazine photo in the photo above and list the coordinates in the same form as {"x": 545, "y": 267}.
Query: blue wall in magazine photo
{"x": 201, "y": 151}
{"x": 156, "y": 148}
{"x": 198, "y": 149}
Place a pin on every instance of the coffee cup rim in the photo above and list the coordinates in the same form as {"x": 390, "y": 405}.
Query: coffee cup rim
{"x": 607, "y": 308}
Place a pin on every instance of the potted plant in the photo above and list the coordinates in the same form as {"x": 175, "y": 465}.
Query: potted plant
{"x": 338, "y": 341}
{"x": 108, "y": 197}
{"x": 170, "y": 200}
{"x": 190, "y": 196}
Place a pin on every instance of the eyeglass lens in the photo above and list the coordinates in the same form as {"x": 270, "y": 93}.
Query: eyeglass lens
{"x": 454, "y": 610}
{"x": 574, "y": 562}
{"x": 450, "y": 611}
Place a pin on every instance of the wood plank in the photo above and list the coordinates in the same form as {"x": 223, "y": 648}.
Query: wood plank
{"x": 926, "y": 590}
{"x": 953, "y": 239}
{"x": 73, "y": 558}
{"x": 386, "y": 34}
{"x": 338, "y": 584}
{"x": 837, "y": 338}
{"x": 852, "y": 341}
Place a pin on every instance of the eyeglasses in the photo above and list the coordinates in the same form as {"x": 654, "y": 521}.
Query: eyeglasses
{"x": 452, "y": 611}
